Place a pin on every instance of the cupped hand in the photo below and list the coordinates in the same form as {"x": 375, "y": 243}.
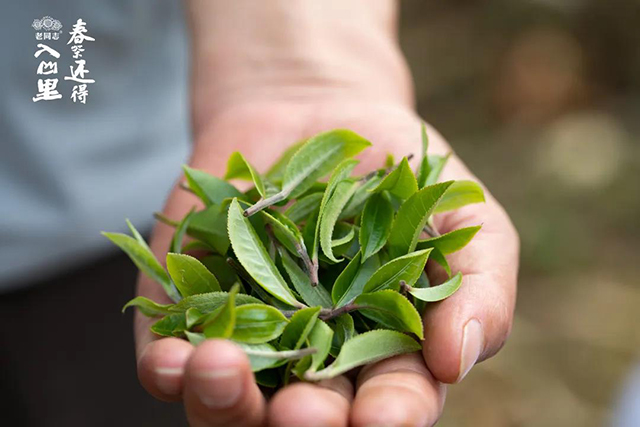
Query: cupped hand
{"x": 215, "y": 381}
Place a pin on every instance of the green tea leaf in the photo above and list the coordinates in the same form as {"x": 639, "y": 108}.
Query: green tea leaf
{"x": 406, "y": 268}
{"x": 239, "y": 168}
{"x": 330, "y": 213}
{"x": 366, "y": 348}
{"x": 209, "y": 302}
{"x": 221, "y": 323}
{"x": 190, "y": 275}
{"x": 195, "y": 338}
{"x": 178, "y": 234}
{"x": 343, "y": 330}
{"x": 145, "y": 260}
{"x": 312, "y": 295}
{"x": 276, "y": 172}
{"x": 440, "y": 292}
{"x": 172, "y": 325}
{"x": 412, "y": 217}
{"x": 285, "y": 231}
{"x": 254, "y": 257}
{"x": 258, "y": 323}
{"x": 351, "y": 281}
{"x": 377, "y": 218}
{"x": 436, "y": 165}
{"x": 340, "y": 174}
{"x": 401, "y": 182}
{"x": 265, "y": 356}
{"x": 450, "y": 242}
{"x": 210, "y": 189}
{"x": 359, "y": 198}
{"x": 320, "y": 338}
{"x": 225, "y": 274}
{"x": 343, "y": 233}
{"x": 391, "y": 310}
{"x": 210, "y": 226}
{"x": 319, "y": 156}
{"x": 302, "y": 208}
{"x": 193, "y": 317}
{"x": 148, "y": 307}
{"x": 459, "y": 194}
{"x": 297, "y": 330}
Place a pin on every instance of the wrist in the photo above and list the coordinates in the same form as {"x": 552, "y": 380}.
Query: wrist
{"x": 298, "y": 52}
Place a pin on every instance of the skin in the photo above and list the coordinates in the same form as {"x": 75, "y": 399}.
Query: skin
{"x": 362, "y": 85}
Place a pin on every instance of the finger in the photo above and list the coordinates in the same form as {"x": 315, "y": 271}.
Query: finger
{"x": 397, "y": 392}
{"x": 219, "y": 387}
{"x": 304, "y": 404}
{"x": 161, "y": 367}
{"x": 473, "y": 324}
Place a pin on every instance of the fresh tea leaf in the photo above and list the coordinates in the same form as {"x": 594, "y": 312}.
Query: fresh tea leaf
{"x": 319, "y": 156}
{"x": 190, "y": 276}
{"x": 172, "y": 325}
{"x": 377, "y": 219}
{"x": 239, "y": 168}
{"x": 450, "y": 242}
{"x": 210, "y": 226}
{"x": 406, "y": 268}
{"x": 440, "y": 292}
{"x": 312, "y": 295}
{"x": 192, "y": 317}
{"x": 359, "y": 198}
{"x": 178, "y": 234}
{"x": 147, "y": 307}
{"x": 297, "y": 330}
{"x": 436, "y": 165}
{"x": 265, "y": 356}
{"x": 258, "y": 323}
{"x": 391, "y": 310}
{"x": 366, "y": 348}
{"x": 351, "y": 281}
{"x": 343, "y": 330}
{"x": 412, "y": 217}
{"x": 401, "y": 182}
{"x": 276, "y": 172}
{"x": 145, "y": 260}
{"x": 302, "y": 208}
{"x": 195, "y": 338}
{"x": 221, "y": 323}
{"x": 254, "y": 257}
{"x": 210, "y": 189}
{"x": 330, "y": 213}
{"x": 461, "y": 193}
{"x": 320, "y": 338}
{"x": 209, "y": 302}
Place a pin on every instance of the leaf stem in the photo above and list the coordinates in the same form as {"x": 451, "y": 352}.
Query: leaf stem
{"x": 330, "y": 313}
{"x": 185, "y": 186}
{"x": 165, "y": 220}
{"x": 287, "y": 354}
{"x": 265, "y": 203}
{"x": 312, "y": 271}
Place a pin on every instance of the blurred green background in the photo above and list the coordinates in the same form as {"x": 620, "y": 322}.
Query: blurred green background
{"x": 542, "y": 100}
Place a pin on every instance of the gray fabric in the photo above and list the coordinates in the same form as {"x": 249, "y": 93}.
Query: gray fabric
{"x": 68, "y": 171}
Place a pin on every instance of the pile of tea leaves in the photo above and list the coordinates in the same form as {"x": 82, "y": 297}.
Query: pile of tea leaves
{"x": 310, "y": 277}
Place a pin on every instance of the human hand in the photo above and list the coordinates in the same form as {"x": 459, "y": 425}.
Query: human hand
{"x": 259, "y": 114}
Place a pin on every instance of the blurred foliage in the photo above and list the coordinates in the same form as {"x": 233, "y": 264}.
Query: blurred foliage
{"x": 541, "y": 99}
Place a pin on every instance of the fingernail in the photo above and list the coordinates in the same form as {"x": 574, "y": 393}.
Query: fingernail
{"x": 168, "y": 380}
{"x": 220, "y": 388}
{"x": 472, "y": 346}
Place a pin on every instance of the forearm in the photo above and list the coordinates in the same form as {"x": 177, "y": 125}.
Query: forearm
{"x": 298, "y": 50}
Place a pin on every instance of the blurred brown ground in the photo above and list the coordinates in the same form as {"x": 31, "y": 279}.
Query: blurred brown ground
{"x": 542, "y": 100}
